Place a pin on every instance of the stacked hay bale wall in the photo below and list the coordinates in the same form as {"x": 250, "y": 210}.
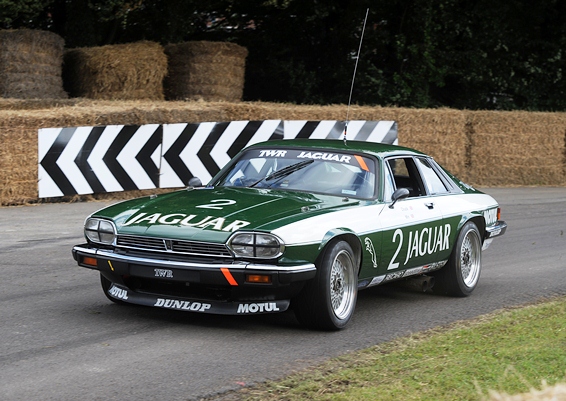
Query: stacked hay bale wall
{"x": 18, "y": 163}
{"x": 126, "y": 72}
{"x": 210, "y": 71}
{"x": 30, "y": 64}
{"x": 517, "y": 148}
{"x": 482, "y": 148}
{"x": 439, "y": 133}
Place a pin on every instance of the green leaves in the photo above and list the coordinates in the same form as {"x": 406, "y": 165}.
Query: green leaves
{"x": 480, "y": 54}
{"x": 21, "y": 13}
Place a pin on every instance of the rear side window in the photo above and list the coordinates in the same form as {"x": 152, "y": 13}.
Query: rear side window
{"x": 432, "y": 182}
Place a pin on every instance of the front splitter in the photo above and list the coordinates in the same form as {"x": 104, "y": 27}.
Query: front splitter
{"x": 124, "y": 294}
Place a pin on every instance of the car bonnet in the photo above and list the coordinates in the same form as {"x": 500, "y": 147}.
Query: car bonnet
{"x": 213, "y": 214}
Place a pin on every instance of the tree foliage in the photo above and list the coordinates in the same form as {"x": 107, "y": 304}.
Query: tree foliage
{"x": 22, "y": 13}
{"x": 475, "y": 54}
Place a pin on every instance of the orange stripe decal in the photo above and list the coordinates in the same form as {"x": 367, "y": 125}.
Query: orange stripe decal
{"x": 362, "y": 163}
{"x": 228, "y": 276}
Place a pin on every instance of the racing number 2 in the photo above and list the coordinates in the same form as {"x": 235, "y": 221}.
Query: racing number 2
{"x": 424, "y": 241}
{"x": 217, "y": 204}
{"x": 394, "y": 265}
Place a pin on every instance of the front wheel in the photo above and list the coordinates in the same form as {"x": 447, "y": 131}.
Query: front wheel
{"x": 328, "y": 301}
{"x": 462, "y": 272}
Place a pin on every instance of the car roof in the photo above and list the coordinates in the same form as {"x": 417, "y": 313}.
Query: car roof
{"x": 373, "y": 148}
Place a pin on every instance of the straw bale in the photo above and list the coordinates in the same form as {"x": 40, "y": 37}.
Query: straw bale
{"x": 18, "y": 165}
{"x": 519, "y": 148}
{"x": 31, "y": 104}
{"x": 27, "y": 83}
{"x": 125, "y": 71}
{"x": 212, "y": 71}
{"x": 30, "y": 64}
{"x": 286, "y": 111}
{"x": 23, "y": 71}
{"x": 98, "y": 113}
{"x": 439, "y": 133}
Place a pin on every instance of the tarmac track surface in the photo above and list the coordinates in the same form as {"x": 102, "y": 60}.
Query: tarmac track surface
{"x": 61, "y": 339}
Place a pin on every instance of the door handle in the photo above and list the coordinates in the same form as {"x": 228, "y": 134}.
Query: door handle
{"x": 430, "y": 205}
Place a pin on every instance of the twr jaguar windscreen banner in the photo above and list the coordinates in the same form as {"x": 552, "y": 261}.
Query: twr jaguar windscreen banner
{"x": 87, "y": 160}
{"x": 345, "y": 158}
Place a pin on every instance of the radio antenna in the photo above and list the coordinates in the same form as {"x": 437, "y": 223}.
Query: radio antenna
{"x": 354, "y": 77}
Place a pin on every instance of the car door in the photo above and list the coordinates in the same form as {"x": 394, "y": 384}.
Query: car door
{"x": 413, "y": 232}
{"x": 444, "y": 195}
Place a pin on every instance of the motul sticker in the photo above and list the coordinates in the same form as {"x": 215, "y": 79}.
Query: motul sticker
{"x": 259, "y": 307}
{"x": 118, "y": 293}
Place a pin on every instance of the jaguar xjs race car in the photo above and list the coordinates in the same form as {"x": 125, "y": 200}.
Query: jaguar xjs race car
{"x": 301, "y": 224}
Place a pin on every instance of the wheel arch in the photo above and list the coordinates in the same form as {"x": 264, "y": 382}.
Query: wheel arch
{"x": 342, "y": 234}
{"x": 479, "y": 221}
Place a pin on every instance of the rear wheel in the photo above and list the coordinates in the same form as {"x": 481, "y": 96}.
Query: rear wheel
{"x": 461, "y": 274}
{"x": 328, "y": 301}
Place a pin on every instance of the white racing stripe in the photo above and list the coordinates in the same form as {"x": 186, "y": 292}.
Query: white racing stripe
{"x": 363, "y": 220}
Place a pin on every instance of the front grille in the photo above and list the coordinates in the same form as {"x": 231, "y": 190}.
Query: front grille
{"x": 173, "y": 246}
{"x": 145, "y": 243}
{"x": 199, "y": 248}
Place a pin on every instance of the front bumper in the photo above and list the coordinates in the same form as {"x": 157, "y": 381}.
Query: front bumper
{"x": 218, "y": 288}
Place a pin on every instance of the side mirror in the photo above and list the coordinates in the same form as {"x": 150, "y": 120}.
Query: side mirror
{"x": 400, "y": 193}
{"x": 195, "y": 182}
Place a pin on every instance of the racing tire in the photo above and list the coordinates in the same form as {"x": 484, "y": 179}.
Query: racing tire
{"x": 461, "y": 274}
{"x": 105, "y": 283}
{"x": 327, "y": 302}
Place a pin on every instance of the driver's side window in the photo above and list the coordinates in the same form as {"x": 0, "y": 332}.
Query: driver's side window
{"x": 404, "y": 174}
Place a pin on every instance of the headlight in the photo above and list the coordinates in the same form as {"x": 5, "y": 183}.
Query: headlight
{"x": 256, "y": 245}
{"x": 100, "y": 231}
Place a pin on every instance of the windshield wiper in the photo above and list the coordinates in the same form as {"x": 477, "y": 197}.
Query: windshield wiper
{"x": 285, "y": 171}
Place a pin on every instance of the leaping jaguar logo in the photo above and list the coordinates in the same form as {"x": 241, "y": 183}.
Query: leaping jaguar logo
{"x": 371, "y": 250}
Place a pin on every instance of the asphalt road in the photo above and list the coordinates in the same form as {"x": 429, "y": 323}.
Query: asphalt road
{"x": 61, "y": 339}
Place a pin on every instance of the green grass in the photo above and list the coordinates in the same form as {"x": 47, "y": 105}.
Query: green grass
{"x": 510, "y": 351}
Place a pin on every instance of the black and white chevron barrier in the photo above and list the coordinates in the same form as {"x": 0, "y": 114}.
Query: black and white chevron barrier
{"x": 86, "y": 160}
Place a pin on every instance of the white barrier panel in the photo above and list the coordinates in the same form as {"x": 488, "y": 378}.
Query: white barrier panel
{"x": 87, "y": 160}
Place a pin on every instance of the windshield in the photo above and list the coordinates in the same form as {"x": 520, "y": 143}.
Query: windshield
{"x": 324, "y": 172}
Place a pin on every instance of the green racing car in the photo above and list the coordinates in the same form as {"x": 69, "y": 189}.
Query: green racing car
{"x": 301, "y": 224}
